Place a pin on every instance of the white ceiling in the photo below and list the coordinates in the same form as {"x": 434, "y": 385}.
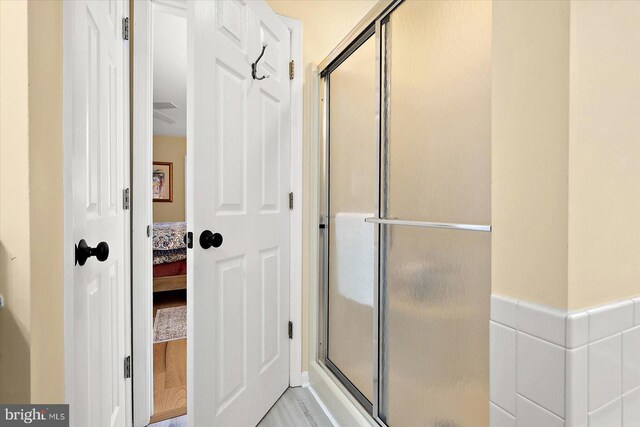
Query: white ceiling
{"x": 170, "y": 65}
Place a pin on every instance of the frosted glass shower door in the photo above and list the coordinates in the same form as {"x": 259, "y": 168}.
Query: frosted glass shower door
{"x": 435, "y": 281}
{"x": 352, "y": 157}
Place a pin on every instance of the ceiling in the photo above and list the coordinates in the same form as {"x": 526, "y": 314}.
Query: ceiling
{"x": 170, "y": 66}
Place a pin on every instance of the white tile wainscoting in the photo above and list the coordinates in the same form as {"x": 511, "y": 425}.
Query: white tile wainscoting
{"x": 575, "y": 369}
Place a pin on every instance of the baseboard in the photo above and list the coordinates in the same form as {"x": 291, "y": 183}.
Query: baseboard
{"x": 304, "y": 379}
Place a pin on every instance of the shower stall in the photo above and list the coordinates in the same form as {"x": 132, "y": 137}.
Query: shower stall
{"x": 406, "y": 213}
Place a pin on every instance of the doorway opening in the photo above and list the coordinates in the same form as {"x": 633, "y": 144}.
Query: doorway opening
{"x": 169, "y": 229}
{"x": 215, "y": 173}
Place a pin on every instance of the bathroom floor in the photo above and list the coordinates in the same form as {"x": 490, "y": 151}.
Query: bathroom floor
{"x": 295, "y": 408}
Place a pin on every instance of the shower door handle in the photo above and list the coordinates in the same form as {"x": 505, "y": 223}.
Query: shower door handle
{"x": 445, "y": 225}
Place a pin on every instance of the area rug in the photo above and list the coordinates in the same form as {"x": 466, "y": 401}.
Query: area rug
{"x": 170, "y": 324}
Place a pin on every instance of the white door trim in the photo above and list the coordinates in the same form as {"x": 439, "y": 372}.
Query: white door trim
{"x": 295, "y": 221}
{"x": 69, "y": 52}
{"x": 142, "y": 209}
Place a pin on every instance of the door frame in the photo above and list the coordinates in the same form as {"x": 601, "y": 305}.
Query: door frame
{"x": 295, "y": 221}
{"x": 69, "y": 52}
{"x": 142, "y": 211}
{"x": 142, "y": 205}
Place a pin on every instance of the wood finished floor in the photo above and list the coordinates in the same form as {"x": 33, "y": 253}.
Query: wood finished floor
{"x": 169, "y": 366}
{"x": 296, "y": 408}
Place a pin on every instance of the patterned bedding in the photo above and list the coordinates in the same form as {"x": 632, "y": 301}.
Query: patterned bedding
{"x": 168, "y": 242}
{"x": 163, "y": 257}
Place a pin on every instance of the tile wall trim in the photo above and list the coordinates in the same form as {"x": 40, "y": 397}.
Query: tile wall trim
{"x": 557, "y": 368}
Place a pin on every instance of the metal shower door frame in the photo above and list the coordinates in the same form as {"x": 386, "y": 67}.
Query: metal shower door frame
{"x": 370, "y": 26}
{"x": 374, "y": 24}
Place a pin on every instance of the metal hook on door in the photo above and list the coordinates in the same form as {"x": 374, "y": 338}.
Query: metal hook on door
{"x": 254, "y": 66}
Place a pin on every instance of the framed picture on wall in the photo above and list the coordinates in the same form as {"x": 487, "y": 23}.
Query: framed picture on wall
{"x": 162, "y": 181}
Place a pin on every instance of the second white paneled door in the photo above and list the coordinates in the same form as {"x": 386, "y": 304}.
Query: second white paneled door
{"x": 97, "y": 121}
{"x": 238, "y": 185}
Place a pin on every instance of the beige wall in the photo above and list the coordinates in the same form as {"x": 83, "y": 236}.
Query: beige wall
{"x": 15, "y": 322}
{"x": 31, "y": 226}
{"x": 566, "y": 205}
{"x": 171, "y": 149}
{"x": 325, "y": 24}
{"x": 530, "y": 112}
{"x": 45, "y": 172}
{"x": 604, "y": 144}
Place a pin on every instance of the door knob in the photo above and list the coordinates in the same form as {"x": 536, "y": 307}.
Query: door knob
{"x": 209, "y": 239}
{"x": 84, "y": 252}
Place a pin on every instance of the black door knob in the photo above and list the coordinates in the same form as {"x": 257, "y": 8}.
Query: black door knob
{"x": 210, "y": 239}
{"x": 84, "y": 252}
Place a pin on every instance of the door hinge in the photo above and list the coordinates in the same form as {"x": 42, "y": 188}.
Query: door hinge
{"x": 290, "y": 200}
{"x": 148, "y": 231}
{"x": 127, "y": 367}
{"x": 126, "y": 199}
{"x": 291, "y": 69}
{"x": 188, "y": 240}
{"x": 125, "y": 28}
{"x": 290, "y": 330}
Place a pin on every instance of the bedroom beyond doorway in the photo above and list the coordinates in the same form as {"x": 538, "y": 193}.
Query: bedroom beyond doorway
{"x": 169, "y": 227}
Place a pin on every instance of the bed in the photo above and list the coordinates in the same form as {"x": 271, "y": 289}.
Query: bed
{"x": 169, "y": 256}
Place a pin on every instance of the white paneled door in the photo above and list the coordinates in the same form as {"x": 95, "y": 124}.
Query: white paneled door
{"x": 97, "y": 123}
{"x": 238, "y": 185}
